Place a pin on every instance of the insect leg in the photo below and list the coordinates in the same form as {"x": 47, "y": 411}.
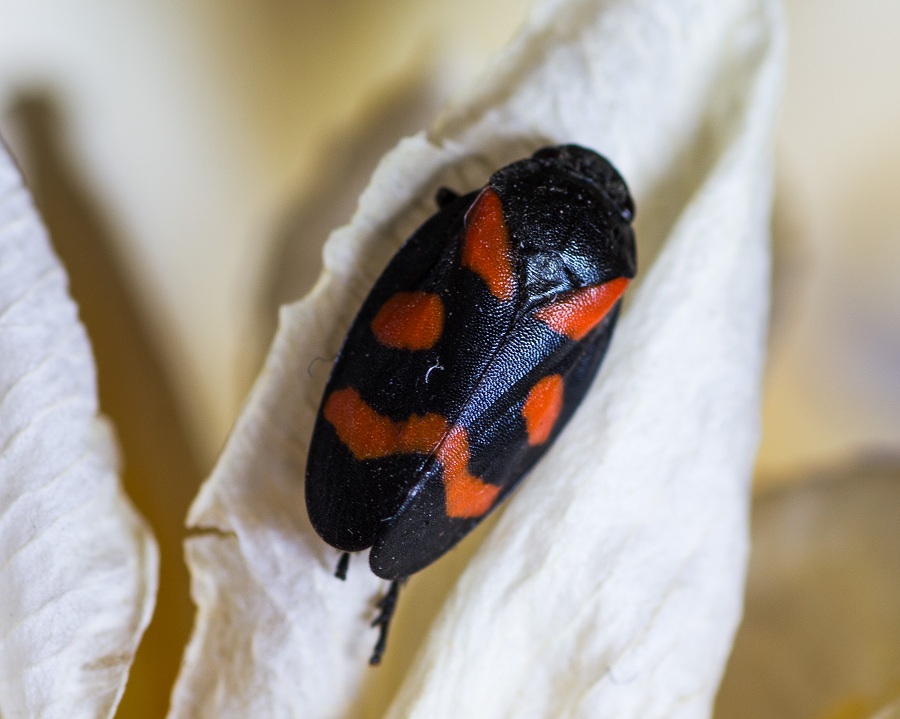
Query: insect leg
{"x": 343, "y": 563}
{"x": 444, "y": 196}
{"x": 386, "y": 606}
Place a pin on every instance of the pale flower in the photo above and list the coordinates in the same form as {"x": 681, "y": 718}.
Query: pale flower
{"x": 612, "y": 582}
{"x": 78, "y": 566}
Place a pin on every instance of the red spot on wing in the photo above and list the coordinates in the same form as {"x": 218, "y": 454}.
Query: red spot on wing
{"x": 486, "y": 249}
{"x": 421, "y": 433}
{"x": 410, "y": 321}
{"x": 466, "y": 495}
{"x": 578, "y": 312}
{"x": 542, "y": 408}
{"x": 370, "y": 435}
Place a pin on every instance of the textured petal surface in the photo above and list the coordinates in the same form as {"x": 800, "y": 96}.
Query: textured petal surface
{"x": 616, "y": 573}
{"x": 612, "y": 583}
{"x": 78, "y": 566}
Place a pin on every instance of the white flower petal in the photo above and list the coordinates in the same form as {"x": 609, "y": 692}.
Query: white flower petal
{"x": 78, "y": 566}
{"x": 615, "y": 575}
{"x": 612, "y": 584}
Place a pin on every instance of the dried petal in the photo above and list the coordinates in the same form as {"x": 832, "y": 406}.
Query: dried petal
{"x": 78, "y": 566}
{"x": 612, "y": 583}
{"x": 821, "y": 635}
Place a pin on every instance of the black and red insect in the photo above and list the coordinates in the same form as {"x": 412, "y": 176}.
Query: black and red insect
{"x": 470, "y": 354}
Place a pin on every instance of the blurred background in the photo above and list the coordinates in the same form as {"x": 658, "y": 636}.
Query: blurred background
{"x": 191, "y": 157}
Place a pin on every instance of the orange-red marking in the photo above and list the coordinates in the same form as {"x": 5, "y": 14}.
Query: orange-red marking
{"x": 578, "y": 312}
{"x": 410, "y": 321}
{"x": 370, "y": 435}
{"x": 486, "y": 248}
{"x": 542, "y": 408}
{"x": 466, "y": 495}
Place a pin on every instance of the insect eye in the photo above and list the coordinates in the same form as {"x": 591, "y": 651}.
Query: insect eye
{"x": 619, "y": 194}
{"x": 550, "y": 153}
